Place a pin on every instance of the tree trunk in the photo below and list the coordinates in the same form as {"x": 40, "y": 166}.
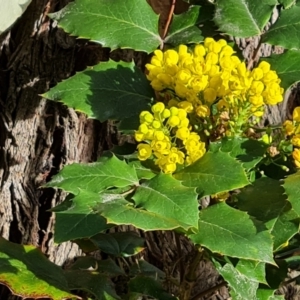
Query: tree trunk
{"x": 39, "y": 137}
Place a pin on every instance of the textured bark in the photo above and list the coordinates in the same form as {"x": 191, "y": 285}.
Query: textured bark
{"x": 39, "y": 137}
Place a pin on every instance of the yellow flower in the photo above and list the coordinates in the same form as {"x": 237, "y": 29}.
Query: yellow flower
{"x": 289, "y": 127}
{"x": 203, "y": 111}
{"x": 144, "y": 151}
{"x": 296, "y": 140}
{"x": 296, "y": 114}
{"x": 296, "y": 156}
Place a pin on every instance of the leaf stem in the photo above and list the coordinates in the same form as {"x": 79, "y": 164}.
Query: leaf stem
{"x": 190, "y": 278}
{"x": 167, "y": 26}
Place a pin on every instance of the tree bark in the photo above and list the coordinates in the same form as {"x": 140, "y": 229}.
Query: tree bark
{"x": 38, "y": 137}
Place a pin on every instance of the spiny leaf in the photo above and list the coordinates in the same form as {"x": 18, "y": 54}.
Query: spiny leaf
{"x": 166, "y": 196}
{"x": 149, "y": 286}
{"x": 142, "y": 267}
{"x": 287, "y": 66}
{"x": 185, "y": 28}
{"x": 265, "y": 293}
{"x": 121, "y": 212}
{"x": 119, "y": 243}
{"x": 79, "y": 221}
{"x": 287, "y": 3}
{"x": 241, "y": 287}
{"x": 243, "y": 18}
{"x": 286, "y": 31}
{"x": 95, "y": 177}
{"x": 29, "y": 274}
{"x": 292, "y": 190}
{"x": 230, "y": 232}
{"x": 114, "y": 24}
{"x": 210, "y": 174}
{"x": 93, "y": 282}
{"x": 248, "y": 151}
{"x": 274, "y": 210}
{"x": 109, "y": 90}
{"x": 254, "y": 270}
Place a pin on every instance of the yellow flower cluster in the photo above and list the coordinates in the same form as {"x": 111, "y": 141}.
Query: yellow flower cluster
{"x": 211, "y": 74}
{"x": 292, "y": 129}
{"x": 167, "y": 136}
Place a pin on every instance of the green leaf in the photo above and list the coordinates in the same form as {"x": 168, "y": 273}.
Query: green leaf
{"x": 105, "y": 266}
{"x": 109, "y": 90}
{"x": 254, "y": 270}
{"x": 264, "y": 293}
{"x": 150, "y": 287}
{"x": 274, "y": 210}
{"x": 287, "y": 3}
{"x": 119, "y": 243}
{"x": 29, "y": 274}
{"x": 276, "y": 274}
{"x": 79, "y": 220}
{"x": 167, "y": 197}
{"x": 248, "y": 151}
{"x": 241, "y": 287}
{"x": 117, "y": 24}
{"x": 121, "y": 212}
{"x": 286, "y": 31}
{"x": 230, "y": 232}
{"x": 292, "y": 189}
{"x": 185, "y": 28}
{"x": 243, "y": 18}
{"x": 141, "y": 170}
{"x": 11, "y": 11}
{"x": 92, "y": 282}
{"x": 287, "y": 66}
{"x": 142, "y": 267}
{"x": 95, "y": 177}
{"x": 213, "y": 173}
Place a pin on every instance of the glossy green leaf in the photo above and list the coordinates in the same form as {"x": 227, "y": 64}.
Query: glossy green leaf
{"x": 79, "y": 220}
{"x": 150, "y": 287}
{"x": 248, "y": 151}
{"x": 142, "y": 267}
{"x": 292, "y": 189}
{"x": 11, "y": 11}
{"x": 185, "y": 28}
{"x": 276, "y": 274}
{"x": 287, "y": 66}
{"x": 121, "y": 212}
{"x": 254, "y": 270}
{"x": 29, "y": 274}
{"x": 119, "y": 243}
{"x": 287, "y": 3}
{"x": 230, "y": 232}
{"x": 167, "y": 197}
{"x": 92, "y": 282}
{"x": 264, "y": 293}
{"x": 141, "y": 170}
{"x": 211, "y": 175}
{"x": 243, "y": 18}
{"x": 286, "y": 31}
{"x": 95, "y": 177}
{"x": 241, "y": 287}
{"x": 274, "y": 210}
{"x": 105, "y": 266}
{"x": 117, "y": 24}
{"x": 109, "y": 90}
